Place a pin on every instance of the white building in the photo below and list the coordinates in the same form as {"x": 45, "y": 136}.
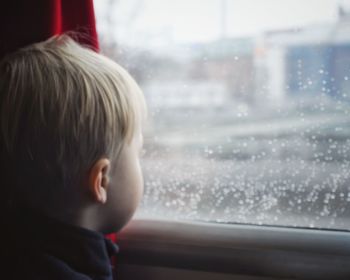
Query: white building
{"x": 194, "y": 94}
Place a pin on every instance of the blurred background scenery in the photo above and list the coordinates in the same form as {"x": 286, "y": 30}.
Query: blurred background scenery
{"x": 249, "y": 107}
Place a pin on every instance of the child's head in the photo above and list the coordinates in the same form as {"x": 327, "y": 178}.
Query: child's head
{"x": 71, "y": 128}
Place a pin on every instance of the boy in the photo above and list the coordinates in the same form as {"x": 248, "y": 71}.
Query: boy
{"x": 70, "y": 134}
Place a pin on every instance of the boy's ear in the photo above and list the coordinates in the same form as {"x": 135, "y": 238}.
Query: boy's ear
{"x": 99, "y": 180}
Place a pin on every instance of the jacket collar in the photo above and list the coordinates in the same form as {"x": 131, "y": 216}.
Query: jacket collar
{"x": 85, "y": 251}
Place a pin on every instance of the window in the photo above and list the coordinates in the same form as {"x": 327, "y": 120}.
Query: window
{"x": 249, "y": 107}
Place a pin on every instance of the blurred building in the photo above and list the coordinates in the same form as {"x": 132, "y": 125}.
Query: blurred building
{"x": 307, "y": 61}
{"x": 229, "y": 61}
{"x": 206, "y": 75}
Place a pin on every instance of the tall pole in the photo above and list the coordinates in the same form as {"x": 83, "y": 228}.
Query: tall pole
{"x": 223, "y": 15}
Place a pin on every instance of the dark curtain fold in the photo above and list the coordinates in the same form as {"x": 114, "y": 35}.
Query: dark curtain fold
{"x": 23, "y": 22}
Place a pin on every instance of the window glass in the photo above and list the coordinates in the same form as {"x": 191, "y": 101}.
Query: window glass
{"x": 249, "y": 107}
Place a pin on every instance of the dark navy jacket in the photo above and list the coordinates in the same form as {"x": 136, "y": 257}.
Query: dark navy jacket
{"x": 42, "y": 248}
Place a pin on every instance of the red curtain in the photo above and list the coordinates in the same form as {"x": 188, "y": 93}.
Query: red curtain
{"x": 23, "y": 22}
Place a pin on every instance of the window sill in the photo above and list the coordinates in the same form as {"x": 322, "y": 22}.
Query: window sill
{"x": 237, "y": 249}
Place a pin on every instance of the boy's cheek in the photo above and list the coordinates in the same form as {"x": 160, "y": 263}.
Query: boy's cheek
{"x": 123, "y": 202}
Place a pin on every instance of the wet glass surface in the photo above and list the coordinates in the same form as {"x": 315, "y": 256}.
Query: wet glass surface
{"x": 243, "y": 128}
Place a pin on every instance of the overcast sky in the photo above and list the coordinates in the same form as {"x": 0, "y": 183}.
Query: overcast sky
{"x": 181, "y": 21}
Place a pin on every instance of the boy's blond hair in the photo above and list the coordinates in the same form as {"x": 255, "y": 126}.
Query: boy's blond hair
{"x": 62, "y": 107}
